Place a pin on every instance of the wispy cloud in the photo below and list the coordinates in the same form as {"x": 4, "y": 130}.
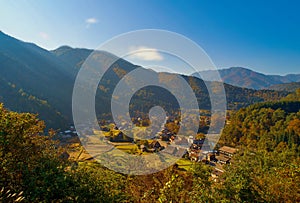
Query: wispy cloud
{"x": 44, "y": 35}
{"x": 90, "y": 21}
{"x": 145, "y": 53}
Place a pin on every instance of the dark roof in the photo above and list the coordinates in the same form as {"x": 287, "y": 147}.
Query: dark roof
{"x": 155, "y": 143}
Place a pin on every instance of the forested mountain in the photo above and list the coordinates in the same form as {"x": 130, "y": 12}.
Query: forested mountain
{"x": 289, "y": 87}
{"x": 39, "y": 81}
{"x": 247, "y": 78}
{"x": 265, "y": 125}
{"x": 72, "y": 57}
{"x": 31, "y": 75}
{"x": 237, "y": 97}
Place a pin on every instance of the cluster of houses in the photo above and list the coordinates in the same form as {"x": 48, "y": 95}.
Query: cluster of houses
{"x": 174, "y": 149}
{"x": 195, "y": 150}
{"x": 216, "y": 158}
{"x": 223, "y": 155}
{"x": 168, "y": 142}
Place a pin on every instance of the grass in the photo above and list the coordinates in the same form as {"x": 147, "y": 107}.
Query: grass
{"x": 127, "y": 148}
{"x": 184, "y": 164}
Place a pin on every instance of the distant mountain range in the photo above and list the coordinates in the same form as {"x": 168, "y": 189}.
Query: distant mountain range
{"x": 247, "y": 78}
{"x": 36, "y": 80}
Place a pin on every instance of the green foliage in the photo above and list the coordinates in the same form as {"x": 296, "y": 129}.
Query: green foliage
{"x": 295, "y": 96}
{"x": 267, "y": 169}
{"x": 93, "y": 183}
{"x": 31, "y": 163}
{"x": 264, "y": 125}
{"x": 174, "y": 190}
{"x": 262, "y": 177}
{"x": 202, "y": 190}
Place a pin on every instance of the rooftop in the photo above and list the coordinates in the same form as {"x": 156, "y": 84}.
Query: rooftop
{"x": 230, "y": 150}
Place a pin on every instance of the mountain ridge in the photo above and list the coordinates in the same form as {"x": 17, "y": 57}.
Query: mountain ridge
{"x": 244, "y": 77}
{"x": 32, "y": 69}
{"x": 39, "y": 81}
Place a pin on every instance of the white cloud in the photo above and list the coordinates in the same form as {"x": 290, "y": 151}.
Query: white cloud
{"x": 44, "y": 35}
{"x": 91, "y": 21}
{"x": 145, "y": 53}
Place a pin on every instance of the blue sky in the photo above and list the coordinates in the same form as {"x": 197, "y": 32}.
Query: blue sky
{"x": 260, "y": 35}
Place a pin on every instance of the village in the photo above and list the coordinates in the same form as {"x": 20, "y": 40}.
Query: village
{"x": 187, "y": 149}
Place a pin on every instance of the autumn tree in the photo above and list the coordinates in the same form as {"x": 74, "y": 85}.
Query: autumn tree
{"x": 32, "y": 168}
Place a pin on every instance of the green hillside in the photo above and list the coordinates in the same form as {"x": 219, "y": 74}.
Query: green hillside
{"x": 39, "y": 81}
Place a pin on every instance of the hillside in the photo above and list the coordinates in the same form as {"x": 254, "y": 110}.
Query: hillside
{"x": 29, "y": 75}
{"x": 73, "y": 57}
{"x": 40, "y": 81}
{"x": 247, "y": 78}
{"x": 264, "y": 125}
{"x": 289, "y": 87}
{"x": 145, "y": 98}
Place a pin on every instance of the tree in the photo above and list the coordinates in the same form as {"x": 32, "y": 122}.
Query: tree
{"x": 31, "y": 167}
{"x": 262, "y": 177}
{"x": 202, "y": 190}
